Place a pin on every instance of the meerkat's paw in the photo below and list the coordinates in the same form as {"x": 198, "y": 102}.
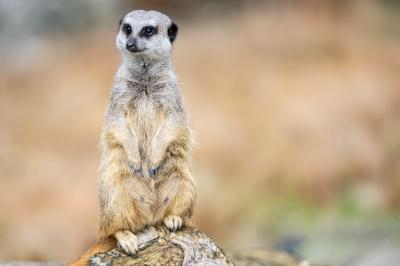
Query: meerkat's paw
{"x": 153, "y": 170}
{"x": 173, "y": 222}
{"x": 154, "y": 167}
{"x": 127, "y": 241}
{"x": 156, "y": 161}
{"x": 136, "y": 168}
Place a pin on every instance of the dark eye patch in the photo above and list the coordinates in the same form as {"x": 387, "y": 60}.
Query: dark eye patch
{"x": 127, "y": 29}
{"x": 148, "y": 31}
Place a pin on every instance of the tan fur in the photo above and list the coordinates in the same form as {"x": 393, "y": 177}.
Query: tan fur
{"x": 145, "y": 129}
{"x": 135, "y": 202}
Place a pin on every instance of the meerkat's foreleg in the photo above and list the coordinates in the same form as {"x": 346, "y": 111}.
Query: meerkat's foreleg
{"x": 165, "y": 134}
{"x": 127, "y": 137}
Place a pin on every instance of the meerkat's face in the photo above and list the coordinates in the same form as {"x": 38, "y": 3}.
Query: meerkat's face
{"x": 146, "y": 34}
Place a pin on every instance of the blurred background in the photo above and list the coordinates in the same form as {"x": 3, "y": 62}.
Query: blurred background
{"x": 295, "y": 106}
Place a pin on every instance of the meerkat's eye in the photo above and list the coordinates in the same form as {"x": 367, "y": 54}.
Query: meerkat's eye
{"x": 127, "y": 29}
{"x": 148, "y": 31}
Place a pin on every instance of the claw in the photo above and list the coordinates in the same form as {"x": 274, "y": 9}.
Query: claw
{"x": 153, "y": 171}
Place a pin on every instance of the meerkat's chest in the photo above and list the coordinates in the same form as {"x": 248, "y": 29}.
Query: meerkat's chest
{"x": 146, "y": 115}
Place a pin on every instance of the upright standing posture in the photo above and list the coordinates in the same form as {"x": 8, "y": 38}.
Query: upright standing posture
{"x": 145, "y": 174}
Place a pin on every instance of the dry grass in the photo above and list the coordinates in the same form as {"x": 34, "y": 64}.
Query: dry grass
{"x": 281, "y": 100}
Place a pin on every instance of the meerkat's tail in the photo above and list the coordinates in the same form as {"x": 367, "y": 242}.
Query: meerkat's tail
{"x": 101, "y": 246}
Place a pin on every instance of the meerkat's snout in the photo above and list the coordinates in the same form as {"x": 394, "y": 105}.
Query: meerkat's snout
{"x": 131, "y": 45}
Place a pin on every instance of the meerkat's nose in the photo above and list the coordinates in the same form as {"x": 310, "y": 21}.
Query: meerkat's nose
{"x": 131, "y": 45}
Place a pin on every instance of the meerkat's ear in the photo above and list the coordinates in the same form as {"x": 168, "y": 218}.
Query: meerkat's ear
{"x": 172, "y": 32}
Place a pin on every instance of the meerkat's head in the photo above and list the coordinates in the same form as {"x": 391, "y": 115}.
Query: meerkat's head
{"x": 146, "y": 34}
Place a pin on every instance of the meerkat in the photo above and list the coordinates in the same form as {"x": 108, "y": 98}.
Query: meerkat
{"x": 145, "y": 172}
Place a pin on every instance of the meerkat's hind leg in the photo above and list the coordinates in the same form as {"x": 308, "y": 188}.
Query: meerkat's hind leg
{"x": 127, "y": 241}
{"x": 173, "y": 222}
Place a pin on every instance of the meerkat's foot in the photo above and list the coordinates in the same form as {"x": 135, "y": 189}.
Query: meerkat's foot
{"x": 127, "y": 241}
{"x": 173, "y": 222}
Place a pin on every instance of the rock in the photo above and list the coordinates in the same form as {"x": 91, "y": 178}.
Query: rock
{"x": 162, "y": 247}
{"x": 188, "y": 247}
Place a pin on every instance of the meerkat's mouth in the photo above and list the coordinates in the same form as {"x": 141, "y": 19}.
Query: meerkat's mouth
{"x": 138, "y": 51}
